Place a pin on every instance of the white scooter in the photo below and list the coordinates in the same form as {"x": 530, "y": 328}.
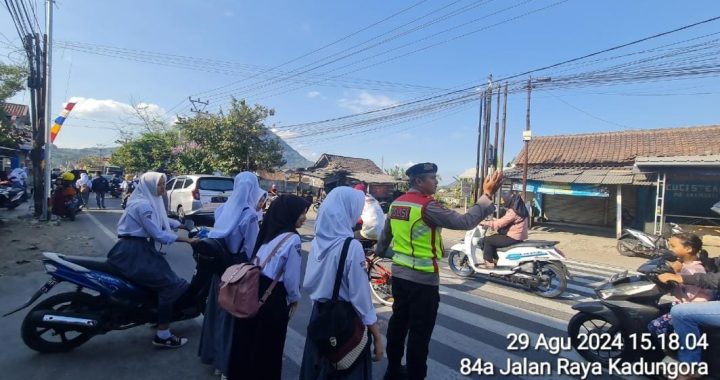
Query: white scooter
{"x": 535, "y": 264}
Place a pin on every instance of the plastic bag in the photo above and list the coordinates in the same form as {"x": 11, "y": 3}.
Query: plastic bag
{"x": 373, "y": 219}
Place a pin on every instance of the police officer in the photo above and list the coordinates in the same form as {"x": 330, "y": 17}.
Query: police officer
{"x": 414, "y": 226}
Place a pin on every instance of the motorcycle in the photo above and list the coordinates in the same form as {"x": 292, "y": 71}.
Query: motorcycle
{"x": 103, "y": 301}
{"x": 115, "y": 190}
{"x": 637, "y": 243}
{"x": 11, "y": 197}
{"x": 626, "y": 305}
{"x": 536, "y": 264}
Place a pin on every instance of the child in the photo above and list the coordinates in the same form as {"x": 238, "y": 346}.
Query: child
{"x": 687, "y": 247}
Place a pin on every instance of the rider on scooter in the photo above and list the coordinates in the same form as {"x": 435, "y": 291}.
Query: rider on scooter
{"x": 137, "y": 258}
{"x": 512, "y": 228}
{"x": 688, "y": 317}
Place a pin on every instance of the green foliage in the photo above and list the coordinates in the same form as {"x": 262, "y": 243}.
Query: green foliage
{"x": 229, "y": 143}
{"x": 12, "y": 81}
{"x": 149, "y": 151}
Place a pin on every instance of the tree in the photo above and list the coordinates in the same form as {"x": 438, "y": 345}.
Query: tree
{"x": 397, "y": 172}
{"x": 12, "y": 81}
{"x": 229, "y": 143}
{"x": 149, "y": 151}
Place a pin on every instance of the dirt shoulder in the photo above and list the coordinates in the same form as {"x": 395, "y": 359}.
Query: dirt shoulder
{"x": 23, "y": 239}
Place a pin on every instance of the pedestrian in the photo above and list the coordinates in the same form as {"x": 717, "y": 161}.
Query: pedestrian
{"x": 258, "y": 342}
{"x": 100, "y": 186}
{"x": 237, "y": 224}
{"x": 336, "y": 218}
{"x": 414, "y": 226}
{"x": 84, "y": 185}
{"x": 137, "y": 259}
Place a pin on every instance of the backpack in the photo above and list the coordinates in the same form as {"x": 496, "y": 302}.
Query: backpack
{"x": 337, "y": 331}
{"x": 240, "y": 286}
{"x": 214, "y": 257}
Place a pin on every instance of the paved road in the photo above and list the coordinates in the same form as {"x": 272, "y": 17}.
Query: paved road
{"x": 474, "y": 319}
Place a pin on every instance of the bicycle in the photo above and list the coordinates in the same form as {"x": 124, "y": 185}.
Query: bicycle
{"x": 379, "y": 274}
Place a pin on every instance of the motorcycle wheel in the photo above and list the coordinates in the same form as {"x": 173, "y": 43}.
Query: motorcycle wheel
{"x": 625, "y": 248}
{"x": 12, "y": 205}
{"x": 459, "y": 264}
{"x": 554, "y": 275}
{"x": 40, "y": 338}
{"x": 316, "y": 207}
{"x": 381, "y": 281}
{"x": 586, "y": 324}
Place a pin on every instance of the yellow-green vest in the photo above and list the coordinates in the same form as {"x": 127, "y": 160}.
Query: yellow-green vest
{"x": 416, "y": 245}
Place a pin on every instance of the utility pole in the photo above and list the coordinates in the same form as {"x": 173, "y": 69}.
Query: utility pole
{"x": 195, "y": 103}
{"x": 501, "y": 160}
{"x": 486, "y": 129}
{"x": 479, "y": 144}
{"x": 527, "y": 135}
{"x": 48, "y": 107}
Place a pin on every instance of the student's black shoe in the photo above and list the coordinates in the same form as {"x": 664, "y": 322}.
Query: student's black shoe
{"x": 171, "y": 342}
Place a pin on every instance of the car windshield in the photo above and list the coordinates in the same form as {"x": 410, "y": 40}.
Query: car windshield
{"x": 216, "y": 184}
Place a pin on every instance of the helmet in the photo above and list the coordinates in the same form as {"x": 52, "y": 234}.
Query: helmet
{"x": 67, "y": 176}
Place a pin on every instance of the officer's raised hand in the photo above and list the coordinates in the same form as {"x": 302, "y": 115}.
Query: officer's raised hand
{"x": 492, "y": 184}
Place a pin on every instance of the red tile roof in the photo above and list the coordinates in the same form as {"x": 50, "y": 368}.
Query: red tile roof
{"x": 17, "y": 110}
{"x": 621, "y": 148}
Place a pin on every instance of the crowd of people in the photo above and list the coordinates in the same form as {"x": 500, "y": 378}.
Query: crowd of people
{"x": 410, "y": 234}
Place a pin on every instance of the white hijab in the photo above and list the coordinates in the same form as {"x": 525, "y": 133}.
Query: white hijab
{"x": 146, "y": 192}
{"x": 84, "y": 180}
{"x": 246, "y": 193}
{"x": 338, "y": 214}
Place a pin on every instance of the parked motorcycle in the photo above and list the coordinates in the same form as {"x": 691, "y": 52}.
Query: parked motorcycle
{"x": 535, "y": 264}
{"x": 626, "y": 305}
{"x": 11, "y": 197}
{"x": 637, "y": 243}
{"x": 67, "y": 320}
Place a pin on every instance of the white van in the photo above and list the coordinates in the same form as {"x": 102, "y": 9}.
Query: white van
{"x": 197, "y": 195}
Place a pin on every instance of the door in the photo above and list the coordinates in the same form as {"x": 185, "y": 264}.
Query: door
{"x": 574, "y": 209}
{"x": 175, "y": 196}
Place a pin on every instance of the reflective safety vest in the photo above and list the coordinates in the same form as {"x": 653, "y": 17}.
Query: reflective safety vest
{"x": 416, "y": 245}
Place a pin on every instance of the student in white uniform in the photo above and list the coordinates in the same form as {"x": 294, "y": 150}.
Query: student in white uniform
{"x": 236, "y": 222}
{"x": 258, "y": 342}
{"x": 336, "y": 218}
{"x": 137, "y": 259}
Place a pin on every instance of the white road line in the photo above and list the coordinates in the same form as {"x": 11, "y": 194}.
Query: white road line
{"x": 588, "y": 264}
{"x": 102, "y": 228}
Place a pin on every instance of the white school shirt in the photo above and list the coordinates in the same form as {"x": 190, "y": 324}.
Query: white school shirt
{"x": 288, "y": 258}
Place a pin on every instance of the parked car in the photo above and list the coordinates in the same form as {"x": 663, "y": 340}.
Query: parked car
{"x": 197, "y": 195}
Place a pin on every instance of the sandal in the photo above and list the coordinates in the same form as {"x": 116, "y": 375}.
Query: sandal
{"x": 487, "y": 265}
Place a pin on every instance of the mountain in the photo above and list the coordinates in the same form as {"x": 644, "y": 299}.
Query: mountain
{"x": 61, "y": 157}
{"x": 294, "y": 159}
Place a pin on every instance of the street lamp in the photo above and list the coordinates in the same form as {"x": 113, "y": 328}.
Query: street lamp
{"x": 527, "y": 134}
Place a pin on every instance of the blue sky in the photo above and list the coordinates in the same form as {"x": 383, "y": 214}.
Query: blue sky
{"x": 267, "y": 33}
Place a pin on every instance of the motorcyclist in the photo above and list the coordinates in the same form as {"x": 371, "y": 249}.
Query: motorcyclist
{"x": 127, "y": 188}
{"x": 136, "y": 257}
{"x": 64, "y": 194}
{"x": 512, "y": 228}
{"x": 688, "y": 317}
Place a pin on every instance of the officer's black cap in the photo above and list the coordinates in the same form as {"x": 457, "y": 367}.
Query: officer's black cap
{"x": 424, "y": 168}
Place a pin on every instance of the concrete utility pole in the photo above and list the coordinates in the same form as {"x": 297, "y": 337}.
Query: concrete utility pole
{"x": 501, "y": 160}
{"x": 479, "y": 144}
{"x": 527, "y": 135}
{"x": 48, "y": 106}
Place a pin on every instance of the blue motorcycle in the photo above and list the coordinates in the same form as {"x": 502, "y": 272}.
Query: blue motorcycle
{"x": 67, "y": 320}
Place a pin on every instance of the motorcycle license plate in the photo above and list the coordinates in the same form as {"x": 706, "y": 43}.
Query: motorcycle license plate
{"x": 218, "y": 199}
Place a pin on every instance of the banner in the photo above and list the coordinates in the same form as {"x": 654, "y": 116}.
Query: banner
{"x": 575, "y": 189}
{"x": 59, "y": 121}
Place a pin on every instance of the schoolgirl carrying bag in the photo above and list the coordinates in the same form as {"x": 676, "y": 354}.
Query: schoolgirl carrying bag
{"x": 337, "y": 331}
{"x": 240, "y": 286}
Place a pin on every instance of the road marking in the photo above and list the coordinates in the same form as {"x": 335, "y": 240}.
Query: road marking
{"x": 102, "y": 228}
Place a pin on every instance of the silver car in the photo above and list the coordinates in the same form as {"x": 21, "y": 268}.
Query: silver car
{"x": 197, "y": 195}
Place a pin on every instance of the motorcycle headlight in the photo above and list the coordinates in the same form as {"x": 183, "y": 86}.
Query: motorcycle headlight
{"x": 50, "y": 268}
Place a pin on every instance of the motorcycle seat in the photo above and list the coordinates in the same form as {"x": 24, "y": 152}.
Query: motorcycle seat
{"x": 530, "y": 243}
{"x": 93, "y": 263}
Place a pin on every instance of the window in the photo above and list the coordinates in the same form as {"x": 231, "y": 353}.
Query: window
{"x": 188, "y": 183}
{"x": 216, "y": 184}
{"x": 179, "y": 183}
{"x": 169, "y": 184}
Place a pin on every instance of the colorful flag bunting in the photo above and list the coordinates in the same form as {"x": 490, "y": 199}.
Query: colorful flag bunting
{"x": 59, "y": 121}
